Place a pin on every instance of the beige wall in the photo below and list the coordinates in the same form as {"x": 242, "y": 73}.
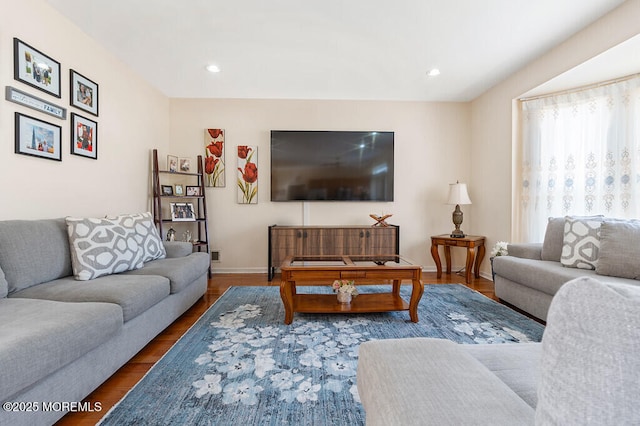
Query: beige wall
{"x": 431, "y": 151}
{"x": 491, "y": 116}
{"x": 133, "y": 120}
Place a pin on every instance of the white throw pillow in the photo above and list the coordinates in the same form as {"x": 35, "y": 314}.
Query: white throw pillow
{"x": 101, "y": 247}
{"x": 146, "y": 234}
{"x": 581, "y": 242}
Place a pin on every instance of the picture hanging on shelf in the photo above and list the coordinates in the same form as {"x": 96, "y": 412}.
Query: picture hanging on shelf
{"x": 172, "y": 163}
{"x": 247, "y": 174}
{"x": 167, "y": 190}
{"x": 182, "y": 212}
{"x": 214, "y": 163}
{"x": 193, "y": 191}
{"x": 184, "y": 165}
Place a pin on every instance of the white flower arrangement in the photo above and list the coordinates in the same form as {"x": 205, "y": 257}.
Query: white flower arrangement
{"x": 500, "y": 249}
{"x": 345, "y": 286}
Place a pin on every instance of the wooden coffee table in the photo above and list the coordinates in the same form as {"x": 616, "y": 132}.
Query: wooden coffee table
{"x": 323, "y": 270}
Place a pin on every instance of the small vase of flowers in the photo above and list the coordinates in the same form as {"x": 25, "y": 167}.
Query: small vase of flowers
{"x": 345, "y": 289}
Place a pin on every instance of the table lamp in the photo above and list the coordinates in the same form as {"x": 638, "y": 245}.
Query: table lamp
{"x": 458, "y": 195}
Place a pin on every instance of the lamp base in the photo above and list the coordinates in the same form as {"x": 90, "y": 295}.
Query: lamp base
{"x": 458, "y": 234}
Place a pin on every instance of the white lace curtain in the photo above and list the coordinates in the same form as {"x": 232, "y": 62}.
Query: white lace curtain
{"x": 579, "y": 154}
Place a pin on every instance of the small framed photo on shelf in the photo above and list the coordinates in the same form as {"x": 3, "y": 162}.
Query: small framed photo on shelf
{"x": 84, "y": 93}
{"x": 37, "y": 138}
{"x": 172, "y": 163}
{"x": 84, "y": 136}
{"x": 182, "y": 212}
{"x": 36, "y": 69}
{"x": 179, "y": 190}
{"x": 184, "y": 165}
{"x": 167, "y": 190}
{"x": 193, "y": 191}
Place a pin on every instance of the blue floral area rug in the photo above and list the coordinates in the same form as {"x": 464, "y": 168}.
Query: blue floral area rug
{"x": 241, "y": 365}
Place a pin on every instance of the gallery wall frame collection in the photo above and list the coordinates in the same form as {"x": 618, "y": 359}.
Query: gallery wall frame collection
{"x": 39, "y": 138}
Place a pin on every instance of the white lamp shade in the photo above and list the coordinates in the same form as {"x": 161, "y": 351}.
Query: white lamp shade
{"x": 458, "y": 194}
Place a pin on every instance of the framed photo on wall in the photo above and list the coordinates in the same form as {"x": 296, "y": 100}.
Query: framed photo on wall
{"x": 84, "y": 93}
{"x": 37, "y": 138}
{"x": 36, "y": 69}
{"x": 84, "y": 136}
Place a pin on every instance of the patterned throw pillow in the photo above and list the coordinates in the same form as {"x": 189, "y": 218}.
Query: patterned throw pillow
{"x": 101, "y": 247}
{"x": 146, "y": 234}
{"x": 581, "y": 242}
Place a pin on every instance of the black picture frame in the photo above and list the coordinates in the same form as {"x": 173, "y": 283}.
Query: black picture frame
{"x": 37, "y": 138}
{"x": 192, "y": 191}
{"x": 167, "y": 190}
{"x": 35, "y": 69}
{"x": 84, "y": 136}
{"x": 83, "y": 93}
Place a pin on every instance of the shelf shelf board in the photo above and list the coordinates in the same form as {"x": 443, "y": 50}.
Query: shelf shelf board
{"x": 179, "y": 173}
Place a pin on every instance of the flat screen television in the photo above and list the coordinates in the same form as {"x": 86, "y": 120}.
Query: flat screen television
{"x": 331, "y": 165}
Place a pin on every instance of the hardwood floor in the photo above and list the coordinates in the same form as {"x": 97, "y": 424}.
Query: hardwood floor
{"x": 111, "y": 391}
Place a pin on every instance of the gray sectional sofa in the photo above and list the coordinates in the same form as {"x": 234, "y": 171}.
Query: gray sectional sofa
{"x": 72, "y": 313}
{"x": 585, "y": 372}
{"x": 531, "y": 274}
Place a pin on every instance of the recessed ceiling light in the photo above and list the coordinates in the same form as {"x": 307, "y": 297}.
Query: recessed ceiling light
{"x": 212, "y": 68}
{"x": 433, "y": 72}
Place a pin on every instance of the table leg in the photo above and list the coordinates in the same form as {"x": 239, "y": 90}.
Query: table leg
{"x": 471, "y": 253}
{"x": 447, "y": 256}
{"x": 436, "y": 258}
{"x": 287, "y": 289}
{"x": 416, "y": 295}
{"x": 396, "y": 287}
{"x": 479, "y": 258}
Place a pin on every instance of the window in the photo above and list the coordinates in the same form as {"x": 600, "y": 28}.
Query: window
{"x": 579, "y": 154}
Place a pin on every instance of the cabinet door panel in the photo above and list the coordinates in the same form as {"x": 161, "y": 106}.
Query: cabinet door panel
{"x": 284, "y": 242}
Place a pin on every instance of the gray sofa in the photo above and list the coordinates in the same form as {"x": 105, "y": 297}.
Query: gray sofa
{"x": 61, "y": 337}
{"x": 531, "y": 274}
{"x": 585, "y": 371}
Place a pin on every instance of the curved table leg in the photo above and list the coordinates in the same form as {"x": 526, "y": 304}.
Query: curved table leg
{"x": 416, "y": 295}
{"x": 479, "y": 258}
{"x": 471, "y": 254}
{"x": 286, "y": 294}
{"x": 436, "y": 258}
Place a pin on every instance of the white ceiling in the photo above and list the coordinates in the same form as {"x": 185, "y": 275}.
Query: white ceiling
{"x": 330, "y": 49}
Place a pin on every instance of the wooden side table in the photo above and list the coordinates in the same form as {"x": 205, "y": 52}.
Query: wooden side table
{"x": 471, "y": 242}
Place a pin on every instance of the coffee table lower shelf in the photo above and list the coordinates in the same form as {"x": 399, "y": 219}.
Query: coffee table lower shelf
{"x": 363, "y": 303}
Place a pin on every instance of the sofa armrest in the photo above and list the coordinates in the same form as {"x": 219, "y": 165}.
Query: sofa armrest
{"x": 526, "y": 250}
{"x": 177, "y": 248}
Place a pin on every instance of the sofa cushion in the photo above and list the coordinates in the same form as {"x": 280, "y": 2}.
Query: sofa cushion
{"x": 581, "y": 242}
{"x": 145, "y": 233}
{"x": 33, "y": 252}
{"x": 40, "y": 336}
{"x": 102, "y": 247}
{"x": 619, "y": 249}
{"x": 590, "y": 367}
{"x": 4, "y": 287}
{"x": 180, "y": 271}
{"x": 553, "y": 238}
{"x": 433, "y": 381}
{"x": 133, "y": 294}
{"x": 515, "y": 364}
